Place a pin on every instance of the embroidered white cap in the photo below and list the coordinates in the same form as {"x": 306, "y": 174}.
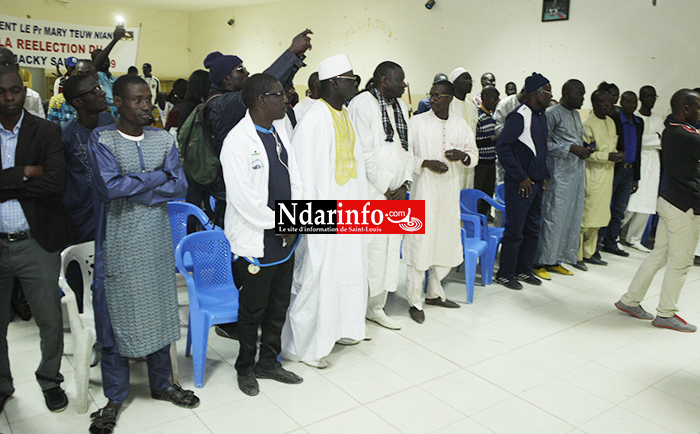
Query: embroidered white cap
{"x": 333, "y": 66}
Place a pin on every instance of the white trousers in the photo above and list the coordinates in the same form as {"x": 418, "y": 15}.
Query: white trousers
{"x": 636, "y": 223}
{"x": 414, "y": 287}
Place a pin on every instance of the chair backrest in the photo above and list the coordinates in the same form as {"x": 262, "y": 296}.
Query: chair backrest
{"x": 179, "y": 212}
{"x": 211, "y": 260}
{"x": 84, "y": 255}
{"x": 471, "y": 226}
{"x": 501, "y": 193}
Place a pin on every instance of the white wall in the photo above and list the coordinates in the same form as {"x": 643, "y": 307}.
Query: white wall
{"x": 165, "y": 35}
{"x": 628, "y": 42}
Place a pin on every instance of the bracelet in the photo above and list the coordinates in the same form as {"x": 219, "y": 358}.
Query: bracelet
{"x": 464, "y": 160}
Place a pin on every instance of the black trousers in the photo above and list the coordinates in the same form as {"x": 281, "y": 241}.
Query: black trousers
{"x": 262, "y": 302}
{"x": 485, "y": 180}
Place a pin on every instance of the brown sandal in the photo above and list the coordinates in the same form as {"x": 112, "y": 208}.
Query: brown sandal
{"x": 177, "y": 395}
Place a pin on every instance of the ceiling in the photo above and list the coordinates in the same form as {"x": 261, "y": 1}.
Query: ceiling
{"x": 182, "y": 5}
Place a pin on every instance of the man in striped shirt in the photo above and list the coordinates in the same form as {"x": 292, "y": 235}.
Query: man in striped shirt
{"x": 485, "y": 172}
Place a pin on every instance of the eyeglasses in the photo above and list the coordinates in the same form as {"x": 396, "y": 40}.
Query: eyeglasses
{"x": 279, "y": 94}
{"x": 346, "y": 77}
{"x": 546, "y": 92}
{"x": 95, "y": 91}
{"x": 240, "y": 68}
{"x": 436, "y": 95}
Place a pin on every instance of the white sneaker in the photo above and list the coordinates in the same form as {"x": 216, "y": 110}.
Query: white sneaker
{"x": 318, "y": 363}
{"x": 347, "y": 341}
{"x": 383, "y": 320}
{"x": 639, "y": 246}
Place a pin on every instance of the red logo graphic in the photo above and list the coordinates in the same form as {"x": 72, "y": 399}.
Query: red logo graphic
{"x": 380, "y": 217}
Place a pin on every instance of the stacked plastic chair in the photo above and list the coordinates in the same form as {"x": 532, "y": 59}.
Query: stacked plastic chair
{"x": 469, "y": 199}
{"x": 474, "y": 248}
{"x": 212, "y": 293}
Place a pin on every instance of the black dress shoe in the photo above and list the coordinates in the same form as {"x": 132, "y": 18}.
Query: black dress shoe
{"x": 442, "y": 303}
{"x": 228, "y": 330}
{"x": 248, "y": 384}
{"x": 3, "y": 399}
{"x": 416, "y": 315}
{"x": 580, "y": 265}
{"x": 595, "y": 261}
{"x": 56, "y": 399}
{"x": 616, "y": 251}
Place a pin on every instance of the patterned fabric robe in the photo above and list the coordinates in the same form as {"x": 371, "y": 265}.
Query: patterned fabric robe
{"x": 134, "y": 292}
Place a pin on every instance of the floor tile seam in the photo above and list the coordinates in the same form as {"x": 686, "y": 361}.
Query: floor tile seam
{"x": 359, "y": 404}
{"x": 467, "y": 415}
{"x": 170, "y": 420}
{"x": 541, "y": 409}
{"x": 457, "y": 367}
{"x": 612, "y": 404}
{"x": 643, "y": 414}
{"x": 454, "y": 331}
{"x": 646, "y": 386}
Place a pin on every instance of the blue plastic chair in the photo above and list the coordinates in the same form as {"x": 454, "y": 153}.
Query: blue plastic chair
{"x": 474, "y": 248}
{"x": 501, "y": 197}
{"x": 469, "y": 199}
{"x": 211, "y": 290}
{"x": 179, "y": 212}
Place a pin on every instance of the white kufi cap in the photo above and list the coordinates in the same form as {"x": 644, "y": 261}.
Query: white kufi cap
{"x": 333, "y": 66}
{"x": 456, "y": 73}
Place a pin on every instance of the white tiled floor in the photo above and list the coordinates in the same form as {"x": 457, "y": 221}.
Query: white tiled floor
{"x": 552, "y": 359}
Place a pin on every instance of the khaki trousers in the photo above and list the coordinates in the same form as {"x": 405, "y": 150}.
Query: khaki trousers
{"x": 676, "y": 239}
{"x": 588, "y": 244}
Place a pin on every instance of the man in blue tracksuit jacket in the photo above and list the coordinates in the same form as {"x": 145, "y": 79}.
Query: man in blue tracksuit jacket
{"x": 522, "y": 151}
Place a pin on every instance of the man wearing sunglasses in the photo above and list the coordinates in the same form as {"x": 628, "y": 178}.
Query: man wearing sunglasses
{"x": 259, "y": 169}
{"x": 331, "y": 285}
{"x": 228, "y": 75}
{"x": 522, "y": 151}
{"x": 444, "y": 147}
{"x": 84, "y": 94}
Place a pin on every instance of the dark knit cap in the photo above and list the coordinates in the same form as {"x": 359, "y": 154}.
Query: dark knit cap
{"x": 534, "y": 82}
{"x": 220, "y": 65}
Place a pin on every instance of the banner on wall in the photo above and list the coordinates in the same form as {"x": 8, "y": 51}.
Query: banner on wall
{"x": 45, "y": 44}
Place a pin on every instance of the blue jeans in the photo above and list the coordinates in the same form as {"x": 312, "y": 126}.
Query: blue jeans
{"x": 622, "y": 189}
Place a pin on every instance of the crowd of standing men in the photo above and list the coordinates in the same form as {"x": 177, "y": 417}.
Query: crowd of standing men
{"x": 109, "y": 181}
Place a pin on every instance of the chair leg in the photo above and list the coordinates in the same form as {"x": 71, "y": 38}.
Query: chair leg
{"x": 487, "y": 266}
{"x": 175, "y": 370}
{"x": 188, "y": 345}
{"x": 200, "y": 338}
{"x": 470, "y": 273}
{"x": 82, "y": 343}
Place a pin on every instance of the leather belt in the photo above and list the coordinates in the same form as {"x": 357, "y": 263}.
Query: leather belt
{"x": 627, "y": 165}
{"x": 16, "y": 236}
